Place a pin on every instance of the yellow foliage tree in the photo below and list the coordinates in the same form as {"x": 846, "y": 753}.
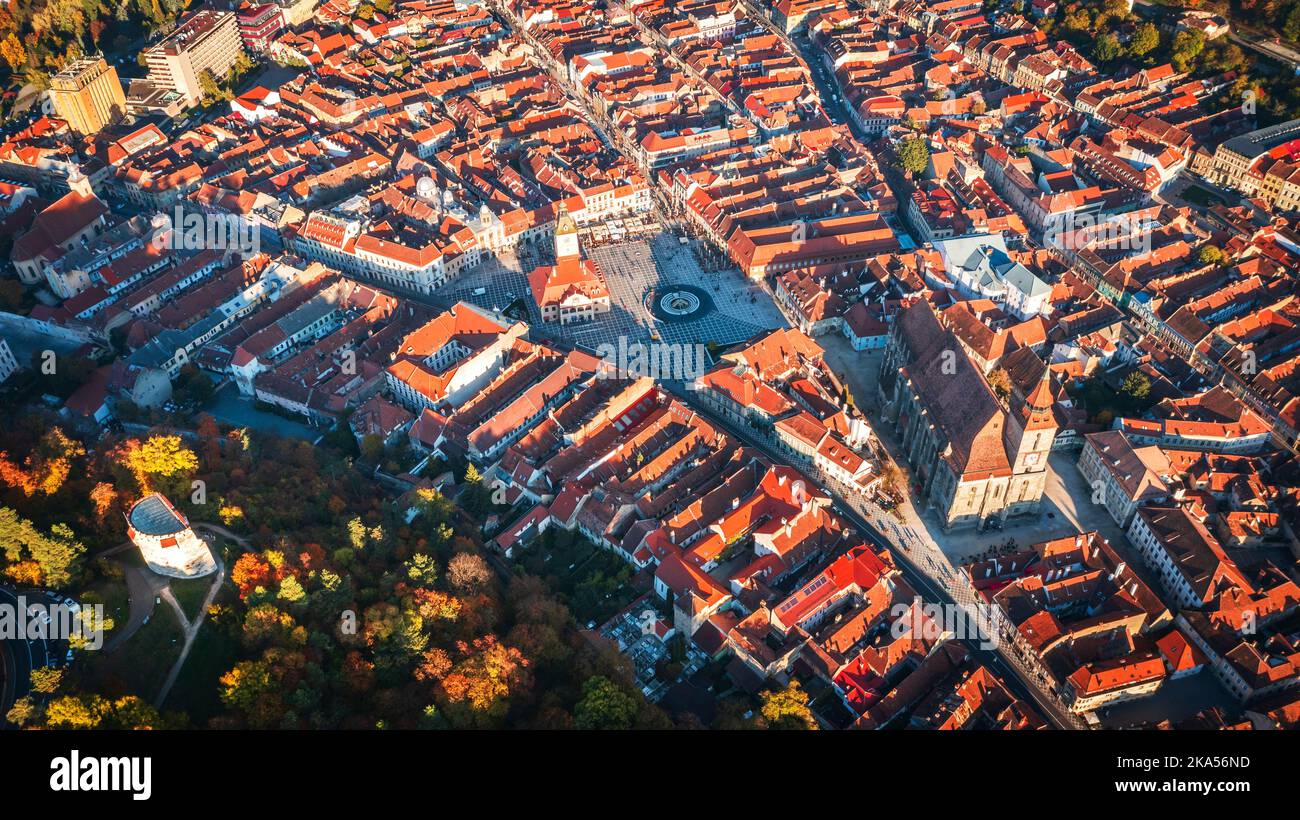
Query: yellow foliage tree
{"x": 75, "y": 712}
{"x": 11, "y": 49}
{"x": 161, "y": 455}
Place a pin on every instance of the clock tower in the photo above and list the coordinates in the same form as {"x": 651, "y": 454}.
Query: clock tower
{"x": 566, "y": 236}
{"x": 1032, "y": 428}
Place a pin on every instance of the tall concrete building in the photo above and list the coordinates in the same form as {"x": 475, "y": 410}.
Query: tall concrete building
{"x": 88, "y": 95}
{"x": 207, "y": 41}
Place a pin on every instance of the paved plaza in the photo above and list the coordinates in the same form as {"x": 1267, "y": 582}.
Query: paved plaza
{"x": 633, "y": 268}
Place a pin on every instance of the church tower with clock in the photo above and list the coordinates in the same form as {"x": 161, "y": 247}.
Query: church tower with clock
{"x": 1030, "y": 432}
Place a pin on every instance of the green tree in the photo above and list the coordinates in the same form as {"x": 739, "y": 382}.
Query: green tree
{"x": 244, "y": 684}
{"x": 477, "y": 498}
{"x": 1106, "y": 48}
{"x": 1145, "y": 39}
{"x": 1136, "y": 386}
{"x": 59, "y": 555}
{"x": 372, "y": 448}
{"x": 1291, "y": 26}
{"x": 1188, "y": 45}
{"x": 604, "y": 706}
{"x": 421, "y": 571}
{"x": 11, "y": 294}
{"x": 914, "y": 154}
{"x": 210, "y": 88}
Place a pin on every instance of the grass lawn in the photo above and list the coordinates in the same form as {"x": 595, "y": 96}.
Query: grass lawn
{"x": 214, "y": 652}
{"x": 1199, "y": 196}
{"x": 190, "y": 593}
{"x": 139, "y": 666}
{"x": 131, "y": 557}
{"x": 112, "y": 593}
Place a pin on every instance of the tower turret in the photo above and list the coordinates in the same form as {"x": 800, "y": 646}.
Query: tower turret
{"x": 1032, "y": 427}
{"x": 566, "y": 235}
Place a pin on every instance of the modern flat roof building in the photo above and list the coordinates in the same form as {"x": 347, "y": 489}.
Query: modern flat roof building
{"x": 88, "y": 95}
{"x": 208, "y": 41}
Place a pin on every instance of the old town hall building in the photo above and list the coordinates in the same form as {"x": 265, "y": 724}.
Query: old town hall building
{"x": 978, "y": 461}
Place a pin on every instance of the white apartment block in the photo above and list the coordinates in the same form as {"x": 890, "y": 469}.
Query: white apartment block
{"x": 207, "y": 41}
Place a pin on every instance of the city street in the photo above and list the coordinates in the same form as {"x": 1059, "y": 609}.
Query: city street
{"x": 924, "y": 567}
{"x": 19, "y": 657}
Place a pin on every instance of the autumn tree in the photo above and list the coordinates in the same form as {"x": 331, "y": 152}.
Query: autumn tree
{"x": 24, "y": 711}
{"x": 76, "y": 712}
{"x": 421, "y": 571}
{"x": 434, "y": 605}
{"x": 468, "y": 572}
{"x": 46, "y": 679}
{"x": 480, "y": 682}
{"x": 787, "y": 708}
{"x": 157, "y": 456}
{"x": 1000, "y": 382}
{"x": 11, "y": 49}
{"x": 250, "y": 572}
{"x": 104, "y": 498}
{"x": 46, "y": 468}
{"x": 243, "y": 685}
{"x": 1210, "y": 255}
{"x": 56, "y": 557}
{"x": 395, "y": 635}
{"x": 132, "y": 713}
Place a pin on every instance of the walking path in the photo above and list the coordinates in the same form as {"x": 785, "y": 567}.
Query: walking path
{"x": 146, "y": 587}
{"x": 191, "y": 629}
{"x": 188, "y": 627}
{"x": 142, "y": 589}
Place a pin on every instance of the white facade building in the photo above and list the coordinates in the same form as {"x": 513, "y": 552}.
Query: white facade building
{"x": 166, "y": 541}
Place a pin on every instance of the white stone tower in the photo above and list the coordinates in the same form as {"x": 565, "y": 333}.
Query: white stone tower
{"x": 166, "y": 541}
